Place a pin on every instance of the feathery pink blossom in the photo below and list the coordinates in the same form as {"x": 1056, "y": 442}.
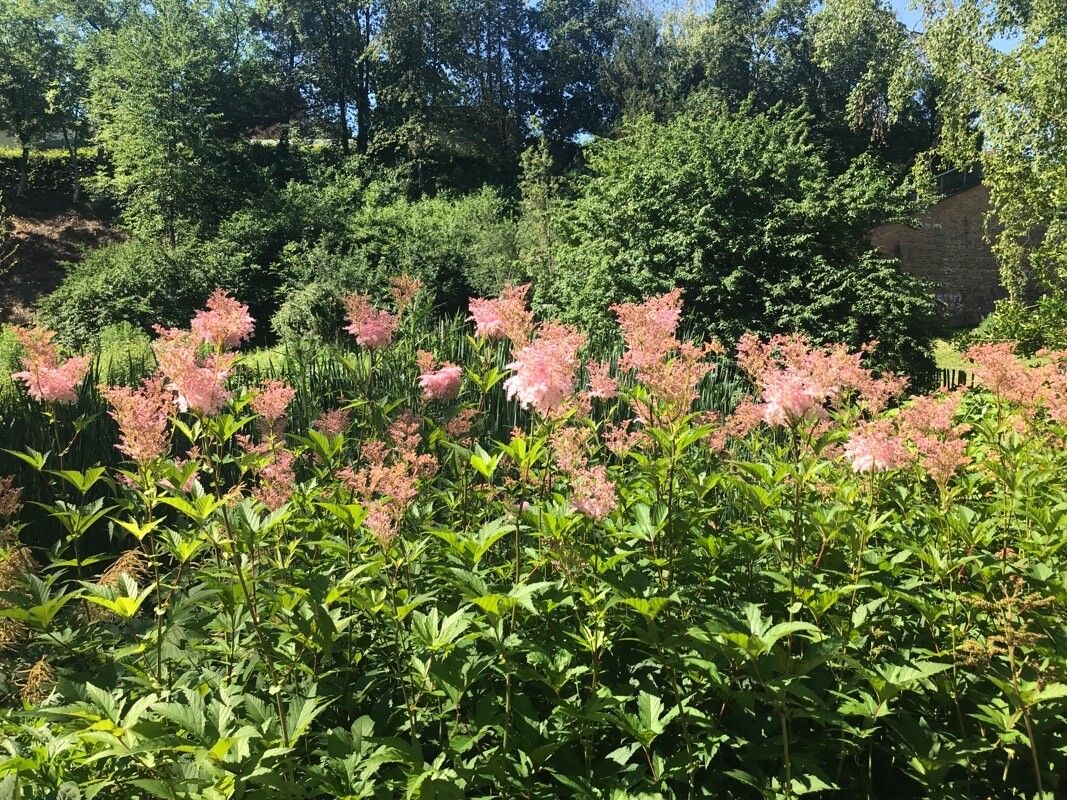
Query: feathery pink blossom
{"x": 270, "y": 401}
{"x": 142, "y": 415}
{"x": 928, "y": 422}
{"x": 198, "y": 383}
{"x": 998, "y": 369}
{"x": 46, "y": 379}
{"x": 505, "y": 317}
{"x": 441, "y": 384}
{"x": 789, "y": 397}
{"x": 797, "y": 381}
{"x": 875, "y": 447}
{"x": 601, "y": 384}
{"x": 459, "y": 427}
{"x": 225, "y": 323}
{"x": 388, "y": 484}
{"x": 648, "y": 329}
{"x": 372, "y": 327}
{"x": 274, "y": 470}
{"x": 333, "y": 423}
{"x": 544, "y": 370}
{"x": 592, "y": 493}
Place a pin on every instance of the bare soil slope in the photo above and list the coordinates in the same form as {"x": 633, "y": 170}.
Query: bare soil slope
{"x": 42, "y": 240}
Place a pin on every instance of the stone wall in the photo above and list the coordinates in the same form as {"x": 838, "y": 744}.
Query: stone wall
{"x": 949, "y": 250}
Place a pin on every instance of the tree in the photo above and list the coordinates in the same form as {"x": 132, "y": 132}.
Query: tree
{"x": 742, "y": 211}
{"x": 30, "y": 58}
{"x": 1003, "y": 99}
{"x": 155, "y": 101}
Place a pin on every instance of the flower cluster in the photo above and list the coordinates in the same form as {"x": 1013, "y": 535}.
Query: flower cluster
{"x": 506, "y": 317}
{"x": 270, "y": 401}
{"x": 142, "y": 415}
{"x": 224, "y": 324}
{"x": 798, "y": 382}
{"x": 199, "y": 383}
{"x": 670, "y": 369}
{"x": 273, "y": 466}
{"x": 388, "y": 484}
{"x": 372, "y": 327}
{"x": 441, "y": 383}
{"x": 48, "y": 379}
{"x": 543, "y": 371}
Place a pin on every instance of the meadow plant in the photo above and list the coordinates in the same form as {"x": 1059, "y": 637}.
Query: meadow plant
{"x": 829, "y": 588}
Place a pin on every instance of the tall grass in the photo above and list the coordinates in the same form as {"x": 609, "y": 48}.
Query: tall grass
{"x": 324, "y": 375}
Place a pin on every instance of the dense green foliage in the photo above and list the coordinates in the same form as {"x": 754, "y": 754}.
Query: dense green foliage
{"x": 138, "y": 281}
{"x": 743, "y": 212}
{"x": 754, "y": 620}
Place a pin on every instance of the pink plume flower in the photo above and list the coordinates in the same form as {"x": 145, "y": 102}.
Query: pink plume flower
{"x": 601, "y": 384}
{"x": 270, "y": 401}
{"x": 798, "y": 381}
{"x": 875, "y": 447}
{"x": 372, "y": 327}
{"x": 442, "y": 383}
{"x": 506, "y": 317}
{"x": 929, "y": 423}
{"x": 274, "y": 469}
{"x": 648, "y": 329}
{"x": 55, "y": 384}
{"x": 998, "y": 369}
{"x": 459, "y": 427}
{"x": 544, "y": 370}
{"x": 333, "y": 423}
{"x": 789, "y": 397}
{"x": 592, "y": 493}
{"x": 46, "y": 379}
{"x": 225, "y": 323}
{"x": 142, "y": 415}
{"x": 199, "y": 384}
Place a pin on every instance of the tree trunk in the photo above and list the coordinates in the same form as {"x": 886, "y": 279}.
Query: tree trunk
{"x": 363, "y": 88}
{"x": 24, "y": 170}
{"x": 343, "y": 132}
{"x": 75, "y": 176}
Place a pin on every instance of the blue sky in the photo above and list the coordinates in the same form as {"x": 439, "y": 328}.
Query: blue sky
{"x": 908, "y": 15}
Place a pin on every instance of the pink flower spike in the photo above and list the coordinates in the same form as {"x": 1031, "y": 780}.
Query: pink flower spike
{"x": 601, "y": 384}
{"x": 648, "y": 329}
{"x": 875, "y": 447}
{"x": 226, "y": 322}
{"x": 593, "y": 494}
{"x": 271, "y": 400}
{"x": 371, "y": 327}
{"x": 55, "y": 384}
{"x": 142, "y": 416}
{"x": 544, "y": 370}
{"x": 441, "y": 384}
{"x": 506, "y": 317}
{"x": 788, "y": 397}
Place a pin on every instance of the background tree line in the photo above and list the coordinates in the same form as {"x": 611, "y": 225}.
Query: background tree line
{"x": 289, "y": 146}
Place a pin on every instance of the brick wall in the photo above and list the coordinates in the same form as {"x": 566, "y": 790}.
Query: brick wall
{"x": 948, "y": 249}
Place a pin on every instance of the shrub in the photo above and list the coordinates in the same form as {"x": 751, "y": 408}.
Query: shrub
{"x": 138, "y": 282}
{"x": 624, "y": 596}
{"x": 743, "y": 213}
{"x": 48, "y": 170}
{"x": 1043, "y": 324}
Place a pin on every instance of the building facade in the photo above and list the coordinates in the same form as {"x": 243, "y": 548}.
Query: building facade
{"x": 948, "y": 248}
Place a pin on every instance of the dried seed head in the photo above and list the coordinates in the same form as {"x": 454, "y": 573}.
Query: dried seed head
{"x": 39, "y": 681}
{"x": 18, "y": 563}
{"x": 12, "y": 633}
{"x": 130, "y": 563}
